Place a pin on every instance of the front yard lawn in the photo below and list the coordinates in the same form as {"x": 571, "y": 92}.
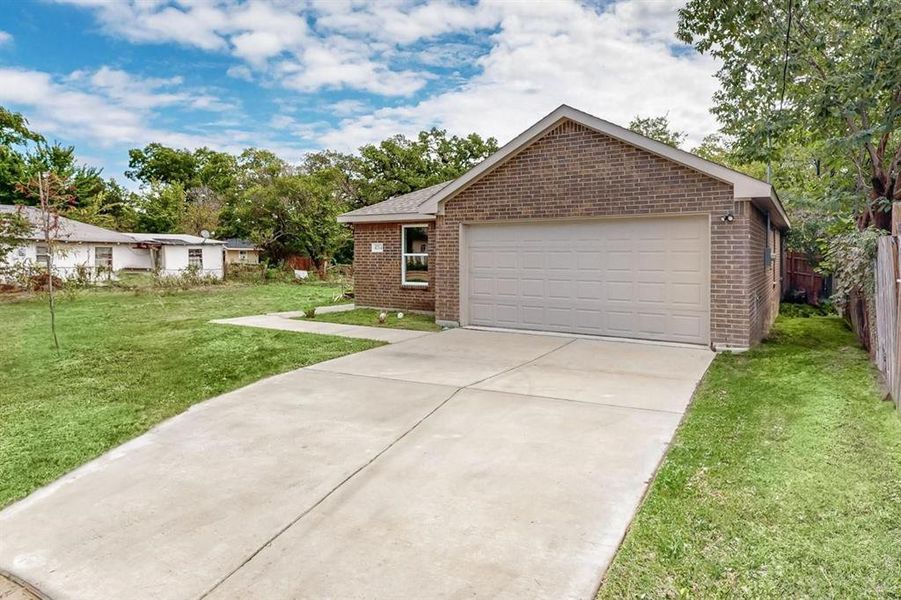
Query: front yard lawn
{"x": 370, "y": 317}
{"x": 784, "y": 481}
{"x": 128, "y": 362}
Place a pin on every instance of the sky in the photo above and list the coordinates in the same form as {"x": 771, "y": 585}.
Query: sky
{"x": 297, "y": 76}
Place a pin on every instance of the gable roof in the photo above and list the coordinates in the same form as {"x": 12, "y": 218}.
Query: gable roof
{"x": 239, "y": 244}
{"x": 389, "y": 210}
{"x": 69, "y": 230}
{"x": 174, "y": 239}
{"x": 744, "y": 187}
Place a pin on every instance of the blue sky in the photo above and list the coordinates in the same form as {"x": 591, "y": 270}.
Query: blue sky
{"x": 295, "y": 76}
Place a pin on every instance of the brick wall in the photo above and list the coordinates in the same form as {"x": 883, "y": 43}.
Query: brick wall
{"x": 573, "y": 171}
{"x": 377, "y": 275}
{"x": 764, "y": 282}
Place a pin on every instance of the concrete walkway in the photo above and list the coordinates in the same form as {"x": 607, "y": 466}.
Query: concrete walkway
{"x": 461, "y": 464}
{"x": 288, "y": 321}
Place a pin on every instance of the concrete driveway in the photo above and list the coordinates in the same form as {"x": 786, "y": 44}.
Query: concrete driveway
{"x": 455, "y": 465}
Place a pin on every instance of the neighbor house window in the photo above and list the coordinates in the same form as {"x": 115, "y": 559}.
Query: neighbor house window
{"x": 103, "y": 258}
{"x": 42, "y": 255}
{"x": 415, "y": 258}
{"x": 242, "y": 256}
{"x": 195, "y": 258}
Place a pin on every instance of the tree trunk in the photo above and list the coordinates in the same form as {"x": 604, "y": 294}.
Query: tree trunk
{"x": 858, "y": 316}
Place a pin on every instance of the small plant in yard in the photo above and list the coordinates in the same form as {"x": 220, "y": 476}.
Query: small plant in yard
{"x": 309, "y": 312}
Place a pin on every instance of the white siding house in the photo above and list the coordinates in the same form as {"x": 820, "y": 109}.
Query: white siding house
{"x": 177, "y": 253}
{"x": 86, "y": 250}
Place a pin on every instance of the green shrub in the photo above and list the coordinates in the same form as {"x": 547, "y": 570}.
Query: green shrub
{"x": 805, "y": 310}
{"x": 247, "y": 273}
{"x": 309, "y": 312}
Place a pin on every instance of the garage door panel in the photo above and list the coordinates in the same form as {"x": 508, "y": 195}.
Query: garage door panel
{"x": 560, "y": 288}
{"x": 619, "y": 260}
{"x": 481, "y": 259}
{"x": 507, "y": 314}
{"x": 532, "y": 288}
{"x": 482, "y": 285}
{"x": 652, "y": 292}
{"x": 652, "y": 323}
{"x": 619, "y": 290}
{"x": 621, "y": 322}
{"x": 687, "y": 293}
{"x": 589, "y": 290}
{"x": 644, "y": 278}
{"x": 559, "y": 317}
{"x": 533, "y": 315}
{"x": 686, "y": 261}
{"x": 687, "y": 326}
{"x": 506, "y": 286}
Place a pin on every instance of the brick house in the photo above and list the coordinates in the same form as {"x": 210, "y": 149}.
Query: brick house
{"x": 581, "y": 226}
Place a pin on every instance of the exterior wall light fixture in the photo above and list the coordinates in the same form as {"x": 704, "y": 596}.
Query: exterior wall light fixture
{"x": 728, "y": 217}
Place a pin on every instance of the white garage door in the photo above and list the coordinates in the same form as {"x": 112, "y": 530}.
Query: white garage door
{"x": 640, "y": 278}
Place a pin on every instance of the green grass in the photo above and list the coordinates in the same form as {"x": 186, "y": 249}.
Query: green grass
{"x": 129, "y": 361}
{"x": 370, "y": 317}
{"x": 784, "y": 481}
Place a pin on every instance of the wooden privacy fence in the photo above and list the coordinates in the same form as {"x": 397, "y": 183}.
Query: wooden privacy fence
{"x": 802, "y": 278}
{"x": 887, "y": 338}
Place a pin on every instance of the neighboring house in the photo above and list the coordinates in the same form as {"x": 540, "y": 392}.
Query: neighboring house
{"x": 92, "y": 250}
{"x": 241, "y": 252}
{"x": 581, "y": 226}
{"x": 176, "y": 253}
{"x": 100, "y": 253}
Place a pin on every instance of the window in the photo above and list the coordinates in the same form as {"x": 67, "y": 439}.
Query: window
{"x": 42, "y": 255}
{"x": 103, "y": 258}
{"x": 195, "y": 258}
{"x": 415, "y": 255}
{"x": 242, "y": 256}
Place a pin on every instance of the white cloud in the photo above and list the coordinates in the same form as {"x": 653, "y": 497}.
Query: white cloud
{"x": 240, "y": 72}
{"x": 350, "y": 46}
{"x": 615, "y": 63}
{"x": 405, "y": 22}
{"x": 107, "y": 107}
{"x": 345, "y": 108}
{"x": 5, "y": 37}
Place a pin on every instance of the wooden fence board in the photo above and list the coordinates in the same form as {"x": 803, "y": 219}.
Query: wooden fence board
{"x": 887, "y": 351}
{"x": 801, "y": 276}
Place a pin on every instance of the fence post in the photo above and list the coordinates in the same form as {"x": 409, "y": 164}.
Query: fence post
{"x": 896, "y": 218}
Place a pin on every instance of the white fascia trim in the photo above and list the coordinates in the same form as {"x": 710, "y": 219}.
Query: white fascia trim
{"x": 743, "y": 185}
{"x": 386, "y": 218}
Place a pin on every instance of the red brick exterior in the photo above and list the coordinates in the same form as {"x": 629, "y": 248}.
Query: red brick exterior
{"x": 377, "y": 276}
{"x": 575, "y": 172}
{"x": 765, "y": 281}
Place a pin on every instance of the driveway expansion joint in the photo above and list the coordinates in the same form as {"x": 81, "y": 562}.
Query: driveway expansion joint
{"x": 362, "y": 467}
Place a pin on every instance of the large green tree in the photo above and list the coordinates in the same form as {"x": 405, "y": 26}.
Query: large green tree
{"x": 296, "y": 214}
{"x": 156, "y": 163}
{"x": 658, "y": 128}
{"x": 161, "y": 208}
{"x": 810, "y": 73}
{"x": 399, "y": 165}
{"x": 15, "y": 137}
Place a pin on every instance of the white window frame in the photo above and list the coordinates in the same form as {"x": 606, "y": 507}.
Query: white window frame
{"x": 242, "y": 256}
{"x": 103, "y": 267}
{"x": 404, "y": 255}
{"x": 45, "y": 253}
{"x": 200, "y": 264}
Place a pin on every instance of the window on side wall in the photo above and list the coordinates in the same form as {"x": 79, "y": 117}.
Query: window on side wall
{"x": 195, "y": 258}
{"x": 415, "y": 255}
{"x": 42, "y": 254}
{"x": 103, "y": 258}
